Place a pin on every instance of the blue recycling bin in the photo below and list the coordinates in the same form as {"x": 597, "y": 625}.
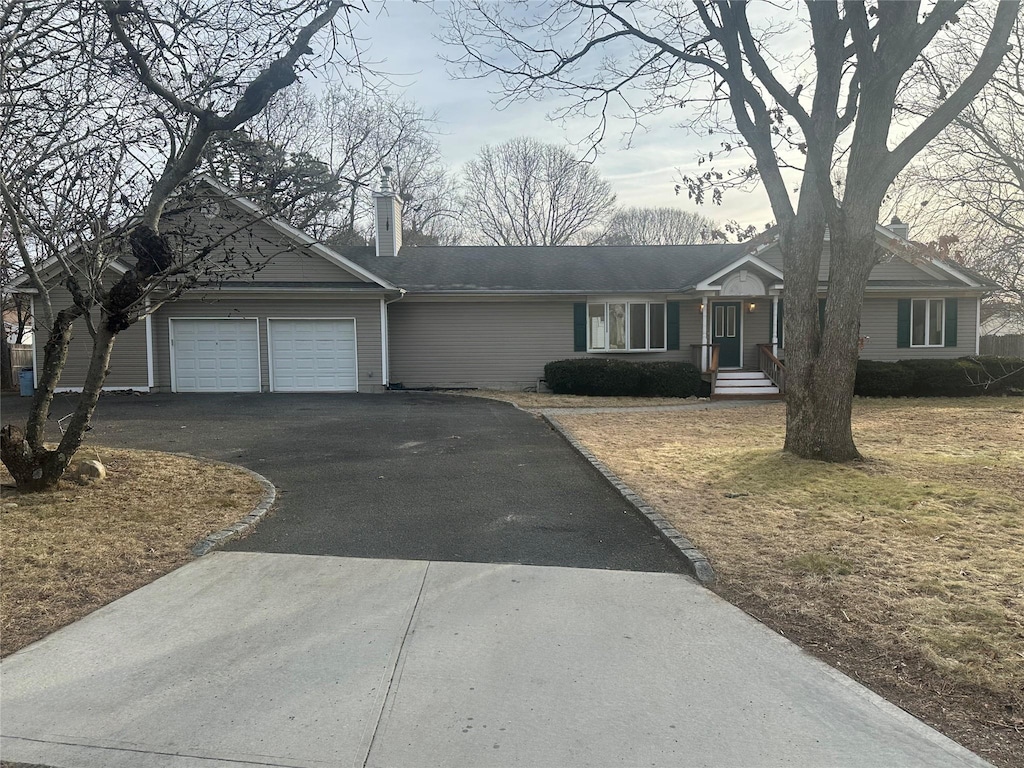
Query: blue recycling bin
{"x": 25, "y": 379}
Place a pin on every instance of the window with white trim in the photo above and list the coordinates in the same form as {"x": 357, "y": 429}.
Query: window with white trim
{"x": 927, "y": 322}
{"x": 626, "y": 326}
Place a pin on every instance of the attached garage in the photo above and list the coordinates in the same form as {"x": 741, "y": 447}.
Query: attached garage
{"x": 312, "y": 355}
{"x": 215, "y": 355}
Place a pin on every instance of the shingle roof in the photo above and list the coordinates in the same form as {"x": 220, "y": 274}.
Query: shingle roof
{"x": 555, "y": 269}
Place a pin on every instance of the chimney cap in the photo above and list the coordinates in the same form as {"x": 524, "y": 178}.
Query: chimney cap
{"x": 896, "y": 220}
{"x": 385, "y": 179}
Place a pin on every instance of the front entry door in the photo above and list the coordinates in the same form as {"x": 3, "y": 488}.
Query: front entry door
{"x": 725, "y": 331}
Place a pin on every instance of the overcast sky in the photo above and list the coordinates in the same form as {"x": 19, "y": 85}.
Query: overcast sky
{"x": 404, "y": 35}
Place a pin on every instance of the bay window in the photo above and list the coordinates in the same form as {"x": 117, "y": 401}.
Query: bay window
{"x": 626, "y": 326}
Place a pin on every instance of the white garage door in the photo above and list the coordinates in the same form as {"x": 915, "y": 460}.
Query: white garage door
{"x": 312, "y": 355}
{"x": 216, "y": 355}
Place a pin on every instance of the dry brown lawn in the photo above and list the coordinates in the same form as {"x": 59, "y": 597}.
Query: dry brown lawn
{"x": 905, "y": 571}
{"x": 67, "y": 552}
{"x": 535, "y": 401}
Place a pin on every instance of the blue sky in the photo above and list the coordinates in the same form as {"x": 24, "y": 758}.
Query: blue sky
{"x": 403, "y": 35}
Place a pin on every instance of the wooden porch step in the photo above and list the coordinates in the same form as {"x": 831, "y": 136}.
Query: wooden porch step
{"x": 769, "y": 396}
{"x": 743, "y": 385}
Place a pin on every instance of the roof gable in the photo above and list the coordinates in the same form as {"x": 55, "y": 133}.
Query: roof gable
{"x": 308, "y": 246}
{"x": 264, "y": 248}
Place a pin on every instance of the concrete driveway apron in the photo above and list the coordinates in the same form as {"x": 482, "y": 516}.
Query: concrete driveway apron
{"x": 509, "y": 611}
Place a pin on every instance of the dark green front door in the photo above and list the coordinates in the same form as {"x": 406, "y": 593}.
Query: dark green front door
{"x": 725, "y": 331}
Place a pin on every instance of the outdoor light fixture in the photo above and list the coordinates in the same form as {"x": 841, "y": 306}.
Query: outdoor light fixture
{"x": 701, "y": 308}
{"x": 752, "y": 307}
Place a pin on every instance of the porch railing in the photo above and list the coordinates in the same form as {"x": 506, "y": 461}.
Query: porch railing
{"x": 697, "y": 357}
{"x": 772, "y": 367}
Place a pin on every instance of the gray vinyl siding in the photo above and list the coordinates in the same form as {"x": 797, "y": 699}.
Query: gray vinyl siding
{"x": 128, "y": 363}
{"x": 690, "y": 324}
{"x": 497, "y": 344}
{"x": 303, "y": 266}
{"x": 274, "y": 256}
{"x": 388, "y": 215}
{"x": 756, "y": 330}
{"x": 878, "y": 321}
{"x": 365, "y": 311}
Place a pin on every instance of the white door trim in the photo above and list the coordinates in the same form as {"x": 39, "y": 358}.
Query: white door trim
{"x": 739, "y": 324}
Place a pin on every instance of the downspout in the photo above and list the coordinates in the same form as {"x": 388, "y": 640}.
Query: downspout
{"x": 385, "y": 349}
{"x": 149, "y": 346}
{"x": 35, "y": 341}
{"x": 977, "y": 330}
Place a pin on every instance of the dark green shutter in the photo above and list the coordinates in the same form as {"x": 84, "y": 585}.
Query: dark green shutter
{"x": 903, "y": 323}
{"x": 951, "y": 319}
{"x": 782, "y": 323}
{"x": 821, "y": 313}
{"x": 579, "y": 326}
{"x": 672, "y": 317}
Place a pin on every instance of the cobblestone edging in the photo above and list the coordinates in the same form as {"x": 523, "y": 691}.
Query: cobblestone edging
{"x": 219, "y": 538}
{"x": 695, "y": 560}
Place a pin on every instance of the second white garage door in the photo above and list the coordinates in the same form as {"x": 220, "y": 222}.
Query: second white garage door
{"x": 312, "y": 355}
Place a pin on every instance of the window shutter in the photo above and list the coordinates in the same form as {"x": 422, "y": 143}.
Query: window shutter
{"x": 951, "y": 321}
{"x": 672, "y": 321}
{"x": 821, "y": 313}
{"x": 903, "y": 323}
{"x": 579, "y": 326}
{"x": 782, "y": 322}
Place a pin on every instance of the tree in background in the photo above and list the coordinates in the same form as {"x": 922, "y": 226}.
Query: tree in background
{"x": 311, "y": 159}
{"x": 833, "y": 115}
{"x": 108, "y": 109}
{"x": 969, "y": 183}
{"x": 659, "y": 226}
{"x": 527, "y": 192}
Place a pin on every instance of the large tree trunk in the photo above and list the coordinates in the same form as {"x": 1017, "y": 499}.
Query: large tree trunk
{"x": 820, "y": 372}
{"x": 33, "y": 466}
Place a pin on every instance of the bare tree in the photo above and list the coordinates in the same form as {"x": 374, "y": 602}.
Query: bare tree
{"x": 101, "y": 94}
{"x": 969, "y": 184}
{"x": 831, "y": 115}
{"x": 659, "y": 226}
{"x": 312, "y": 158}
{"x": 526, "y": 192}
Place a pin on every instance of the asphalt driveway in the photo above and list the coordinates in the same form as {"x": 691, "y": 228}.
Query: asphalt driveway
{"x": 397, "y": 657}
{"x": 396, "y": 476}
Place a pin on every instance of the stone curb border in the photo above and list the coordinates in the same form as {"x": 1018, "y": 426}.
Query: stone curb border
{"x": 219, "y": 538}
{"x": 696, "y": 562}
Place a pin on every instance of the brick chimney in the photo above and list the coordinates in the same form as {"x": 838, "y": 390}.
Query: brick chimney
{"x": 387, "y": 221}
{"x": 898, "y": 228}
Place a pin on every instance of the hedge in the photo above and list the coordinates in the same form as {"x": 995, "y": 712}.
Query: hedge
{"x": 961, "y": 377}
{"x": 605, "y": 377}
{"x": 877, "y": 379}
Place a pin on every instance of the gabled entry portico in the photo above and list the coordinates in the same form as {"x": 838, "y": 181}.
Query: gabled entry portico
{"x": 740, "y": 329}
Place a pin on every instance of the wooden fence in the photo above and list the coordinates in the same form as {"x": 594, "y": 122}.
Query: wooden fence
{"x": 21, "y": 356}
{"x": 1004, "y": 346}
